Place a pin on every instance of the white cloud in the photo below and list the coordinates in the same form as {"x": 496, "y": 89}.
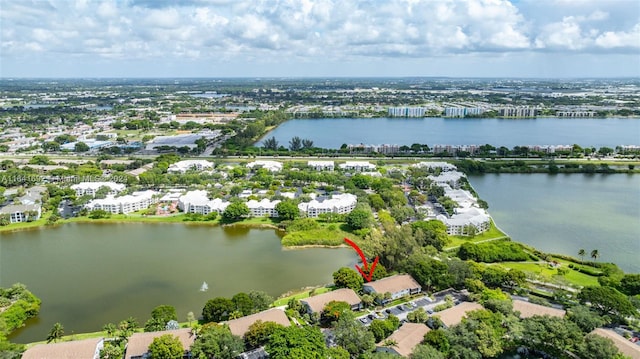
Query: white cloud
{"x": 313, "y": 30}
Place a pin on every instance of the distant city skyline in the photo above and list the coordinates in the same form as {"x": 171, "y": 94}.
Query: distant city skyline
{"x": 320, "y": 38}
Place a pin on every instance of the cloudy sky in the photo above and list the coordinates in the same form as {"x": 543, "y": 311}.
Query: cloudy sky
{"x": 292, "y": 38}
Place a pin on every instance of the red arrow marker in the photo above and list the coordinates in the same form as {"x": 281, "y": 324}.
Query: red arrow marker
{"x": 366, "y": 277}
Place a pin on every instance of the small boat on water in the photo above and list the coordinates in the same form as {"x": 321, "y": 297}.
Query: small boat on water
{"x": 204, "y": 287}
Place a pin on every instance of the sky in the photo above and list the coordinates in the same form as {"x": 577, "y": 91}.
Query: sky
{"x": 319, "y": 38}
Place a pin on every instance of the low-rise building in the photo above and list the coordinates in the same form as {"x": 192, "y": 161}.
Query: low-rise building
{"x": 271, "y": 166}
{"x": 528, "y": 309}
{"x": 321, "y": 165}
{"x": 241, "y": 325}
{"x": 184, "y": 166}
{"x": 199, "y": 202}
{"x": 126, "y": 204}
{"x": 453, "y": 316}
{"x": 262, "y": 208}
{"x": 76, "y": 349}
{"x": 90, "y": 188}
{"x": 340, "y": 204}
{"x": 22, "y": 212}
{"x": 625, "y": 346}
{"x": 466, "y": 222}
{"x": 444, "y": 166}
{"x": 398, "y": 286}
{"x": 317, "y": 303}
{"x": 138, "y": 343}
{"x": 404, "y": 340}
{"x": 357, "y": 166}
{"x": 450, "y": 178}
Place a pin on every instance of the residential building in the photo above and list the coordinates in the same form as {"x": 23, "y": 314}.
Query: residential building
{"x": 444, "y": 166}
{"x": 76, "y": 349}
{"x": 138, "y": 343}
{"x": 406, "y": 111}
{"x": 126, "y": 204}
{"x": 199, "y": 202}
{"x": 357, "y": 166}
{"x": 526, "y": 112}
{"x": 624, "y": 345}
{"x": 90, "y": 188}
{"x": 398, "y": 286}
{"x": 262, "y": 208}
{"x": 184, "y": 166}
{"x": 317, "y": 303}
{"x": 451, "y": 178}
{"x": 463, "y": 111}
{"x": 453, "y": 316}
{"x": 271, "y": 166}
{"x": 321, "y": 165}
{"x": 241, "y": 325}
{"x": 405, "y": 339}
{"x": 22, "y": 212}
{"x": 466, "y": 222}
{"x": 339, "y": 203}
{"x": 528, "y": 309}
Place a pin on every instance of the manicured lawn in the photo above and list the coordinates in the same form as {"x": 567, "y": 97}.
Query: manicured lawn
{"x": 492, "y": 233}
{"x": 544, "y": 272}
{"x": 300, "y": 295}
{"x": 23, "y": 225}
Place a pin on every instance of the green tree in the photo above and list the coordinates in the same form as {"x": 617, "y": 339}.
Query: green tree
{"x": 597, "y": 347}
{"x": 585, "y": 318}
{"x": 270, "y": 144}
{"x": 381, "y": 329}
{"x": 235, "y": 211}
{"x": 81, "y": 147}
{"x": 110, "y": 329}
{"x": 217, "y": 309}
{"x": 607, "y": 300}
{"x": 582, "y": 253}
{"x": 261, "y": 300}
{"x": 56, "y": 333}
{"x": 418, "y": 316}
{"x": 288, "y": 209}
{"x": 430, "y": 233}
{"x": 296, "y": 342}
{"x": 359, "y": 218}
{"x": 164, "y": 313}
{"x": 215, "y": 341}
{"x": 333, "y": 311}
{"x": 438, "y": 339}
{"x": 352, "y": 336}
{"x": 630, "y": 284}
{"x": 111, "y": 351}
{"x": 166, "y": 347}
{"x": 307, "y": 144}
{"x": 295, "y": 144}
{"x": 426, "y": 352}
{"x": 595, "y": 254}
{"x": 348, "y": 278}
{"x": 259, "y": 332}
{"x": 243, "y": 303}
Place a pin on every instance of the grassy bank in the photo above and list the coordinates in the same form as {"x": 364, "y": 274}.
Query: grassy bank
{"x": 325, "y": 236}
{"x": 544, "y": 272}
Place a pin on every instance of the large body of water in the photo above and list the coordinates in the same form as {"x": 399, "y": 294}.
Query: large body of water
{"x": 566, "y": 212}
{"x": 333, "y": 132}
{"x": 88, "y": 275}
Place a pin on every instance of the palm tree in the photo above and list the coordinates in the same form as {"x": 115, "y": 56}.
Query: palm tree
{"x": 595, "y": 254}
{"x": 56, "y": 333}
{"x": 582, "y": 253}
{"x": 110, "y": 328}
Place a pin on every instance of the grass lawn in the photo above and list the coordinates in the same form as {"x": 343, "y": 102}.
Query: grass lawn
{"x": 304, "y": 294}
{"x": 23, "y": 225}
{"x": 492, "y": 233}
{"x": 543, "y": 272}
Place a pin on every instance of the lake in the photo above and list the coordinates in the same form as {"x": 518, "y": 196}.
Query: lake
{"x": 566, "y": 212}
{"x": 88, "y": 275}
{"x": 333, "y": 132}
